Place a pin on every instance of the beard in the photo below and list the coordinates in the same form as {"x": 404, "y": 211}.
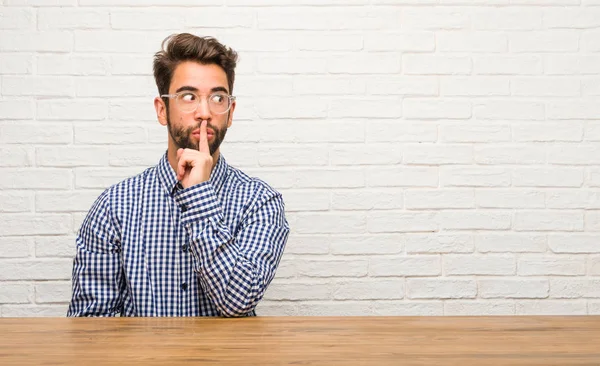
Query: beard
{"x": 183, "y": 136}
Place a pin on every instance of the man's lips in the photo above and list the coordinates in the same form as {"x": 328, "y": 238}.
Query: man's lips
{"x": 209, "y": 133}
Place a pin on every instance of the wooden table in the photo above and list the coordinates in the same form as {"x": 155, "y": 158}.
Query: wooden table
{"x": 525, "y": 340}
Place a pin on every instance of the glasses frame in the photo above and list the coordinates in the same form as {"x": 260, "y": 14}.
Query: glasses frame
{"x": 170, "y": 96}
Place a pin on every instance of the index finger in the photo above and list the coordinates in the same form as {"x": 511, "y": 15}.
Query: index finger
{"x": 203, "y": 144}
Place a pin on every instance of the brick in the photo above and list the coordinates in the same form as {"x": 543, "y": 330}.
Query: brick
{"x": 473, "y": 308}
{"x": 38, "y": 224}
{"x": 327, "y": 41}
{"x": 102, "y": 177}
{"x": 380, "y": 107}
{"x": 513, "y": 288}
{"x": 40, "y": 3}
{"x": 434, "y": 18}
{"x": 439, "y": 243}
{"x": 34, "y": 178}
{"x": 474, "y": 177}
{"x": 55, "y": 246}
{"x": 467, "y": 264}
{"x": 15, "y": 293}
{"x": 547, "y": 177}
{"x": 117, "y": 41}
{"x": 15, "y": 156}
{"x": 547, "y": 131}
{"x": 71, "y": 156}
{"x": 332, "y": 268}
{"x": 303, "y": 200}
{"x": 246, "y": 3}
{"x": 436, "y": 65}
{"x": 594, "y": 307}
{"x": 384, "y": 131}
{"x": 362, "y": 63}
{"x": 501, "y": 154}
{"x": 38, "y": 86}
{"x": 16, "y": 201}
{"x": 590, "y": 41}
{"x": 132, "y": 110}
{"x": 403, "y": 85}
{"x": 276, "y": 108}
{"x": 299, "y": 291}
{"x": 505, "y": 19}
{"x": 510, "y": 243}
{"x": 545, "y": 87}
{"x": 508, "y": 110}
{"x": 328, "y": 19}
{"x": 276, "y": 177}
{"x": 495, "y": 198}
{"x": 62, "y": 109}
{"x": 154, "y": 19}
{"x": 435, "y": 154}
{"x": 130, "y": 65}
{"x": 412, "y": 308}
{"x": 16, "y": 247}
{"x": 106, "y": 134}
{"x": 245, "y": 42}
{"x": 474, "y": 86}
{"x": 17, "y": 109}
{"x": 312, "y": 85}
{"x": 405, "y": 266}
{"x": 32, "y": 41}
{"x": 329, "y": 178}
{"x": 378, "y": 289}
{"x": 573, "y": 110}
{"x": 17, "y": 18}
{"x": 548, "y": 221}
{"x": 58, "y": 64}
{"x": 471, "y": 41}
{"x": 292, "y": 156}
{"x": 437, "y": 109}
{"x": 508, "y": 65}
{"x": 52, "y": 292}
{"x": 453, "y": 132}
{"x": 71, "y": 201}
{"x": 592, "y": 220}
{"x": 404, "y": 42}
{"x": 22, "y": 311}
{"x": 439, "y": 199}
{"x": 574, "y": 243}
{"x": 372, "y": 154}
{"x": 16, "y": 63}
{"x": 593, "y": 265}
{"x": 572, "y": 18}
{"x": 390, "y": 222}
{"x": 291, "y": 64}
{"x": 441, "y": 289}
{"x": 572, "y": 64}
{"x": 567, "y": 288}
{"x": 544, "y": 41}
{"x": 590, "y": 87}
{"x": 56, "y": 269}
{"x": 306, "y": 244}
{"x": 573, "y": 199}
{"x": 591, "y": 131}
{"x": 594, "y": 177}
{"x": 365, "y": 244}
{"x": 337, "y": 308}
{"x": 554, "y": 265}
{"x": 132, "y": 86}
{"x": 367, "y": 199}
{"x": 74, "y": 18}
{"x": 324, "y": 223}
{"x": 129, "y": 157}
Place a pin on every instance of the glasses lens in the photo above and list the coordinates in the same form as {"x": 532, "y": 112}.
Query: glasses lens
{"x": 187, "y": 102}
{"x": 219, "y": 103}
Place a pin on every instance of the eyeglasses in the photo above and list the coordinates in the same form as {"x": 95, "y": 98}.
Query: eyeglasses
{"x": 188, "y": 101}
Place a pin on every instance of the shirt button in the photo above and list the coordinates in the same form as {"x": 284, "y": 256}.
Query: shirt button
{"x": 184, "y": 247}
{"x": 183, "y": 208}
{"x": 184, "y": 286}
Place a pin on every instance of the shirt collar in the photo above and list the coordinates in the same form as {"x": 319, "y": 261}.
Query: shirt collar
{"x": 168, "y": 177}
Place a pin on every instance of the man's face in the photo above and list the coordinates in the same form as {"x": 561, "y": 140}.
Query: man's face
{"x": 184, "y": 127}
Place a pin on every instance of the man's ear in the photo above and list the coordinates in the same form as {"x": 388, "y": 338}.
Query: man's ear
{"x": 161, "y": 110}
{"x": 230, "y": 114}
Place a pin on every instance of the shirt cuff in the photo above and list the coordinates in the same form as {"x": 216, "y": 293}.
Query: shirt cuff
{"x": 198, "y": 203}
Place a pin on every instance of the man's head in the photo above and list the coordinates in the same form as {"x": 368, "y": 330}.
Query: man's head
{"x": 195, "y": 77}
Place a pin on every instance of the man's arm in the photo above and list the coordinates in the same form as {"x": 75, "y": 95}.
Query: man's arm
{"x": 97, "y": 272}
{"x": 234, "y": 268}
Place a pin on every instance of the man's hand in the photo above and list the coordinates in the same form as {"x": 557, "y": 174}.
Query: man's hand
{"x": 194, "y": 166}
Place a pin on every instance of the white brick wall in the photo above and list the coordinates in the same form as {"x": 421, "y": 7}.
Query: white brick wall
{"x": 436, "y": 157}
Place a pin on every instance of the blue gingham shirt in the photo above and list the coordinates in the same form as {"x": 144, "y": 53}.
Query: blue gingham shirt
{"x": 149, "y": 247}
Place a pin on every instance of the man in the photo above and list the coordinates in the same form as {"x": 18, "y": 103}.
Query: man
{"x": 191, "y": 236}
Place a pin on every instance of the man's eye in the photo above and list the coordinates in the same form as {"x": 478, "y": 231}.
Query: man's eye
{"x": 187, "y": 97}
{"x": 217, "y": 98}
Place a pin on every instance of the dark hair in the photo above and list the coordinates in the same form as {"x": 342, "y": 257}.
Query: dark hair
{"x": 177, "y": 48}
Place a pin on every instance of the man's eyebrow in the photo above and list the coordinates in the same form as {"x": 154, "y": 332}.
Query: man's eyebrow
{"x": 193, "y": 89}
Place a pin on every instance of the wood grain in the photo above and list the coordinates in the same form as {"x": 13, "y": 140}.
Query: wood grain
{"x": 525, "y": 340}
